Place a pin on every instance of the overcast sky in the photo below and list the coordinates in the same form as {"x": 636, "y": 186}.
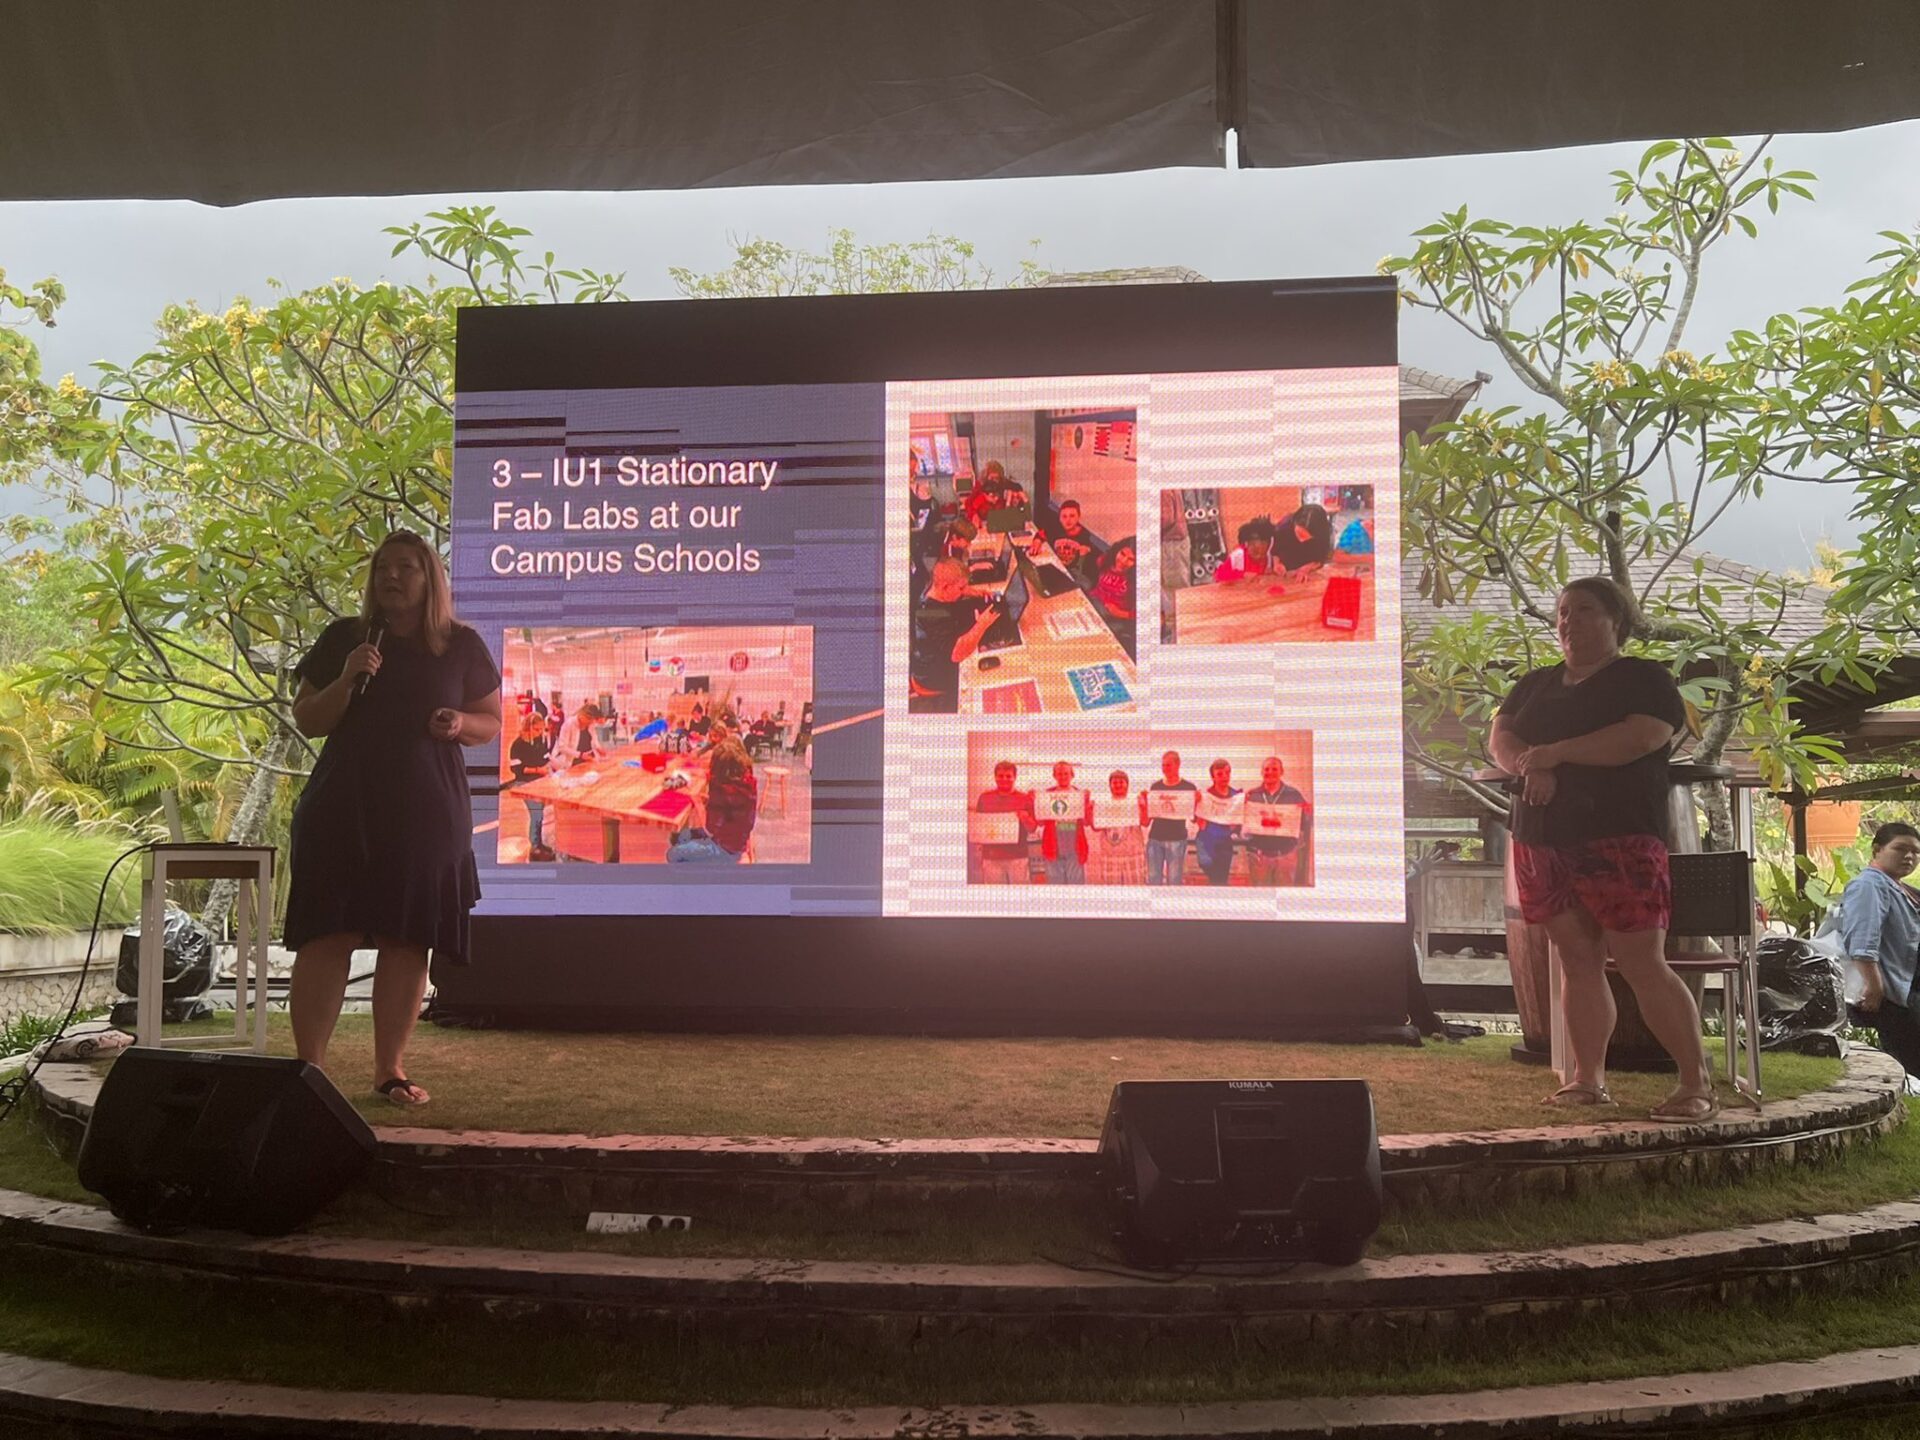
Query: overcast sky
{"x": 122, "y": 261}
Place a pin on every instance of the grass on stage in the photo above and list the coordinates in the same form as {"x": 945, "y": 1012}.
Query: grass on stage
{"x": 907, "y": 1087}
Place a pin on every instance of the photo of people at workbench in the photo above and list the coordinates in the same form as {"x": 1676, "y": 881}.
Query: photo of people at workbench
{"x": 1266, "y": 565}
{"x": 679, "y": 745}
{"x": 1138, "y": 807}
{"x": 1023, "y": 560}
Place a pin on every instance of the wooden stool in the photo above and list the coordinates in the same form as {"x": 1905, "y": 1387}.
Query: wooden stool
{"x": 252, "y": 866}
{"x": 776, "y": 780}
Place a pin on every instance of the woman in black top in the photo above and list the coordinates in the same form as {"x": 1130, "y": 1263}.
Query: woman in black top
{"x": 529, "y": 759}
{"x": 1304, "y": 539}
{"x": 1589, "y": 739}
{"x": 382, "y": 846}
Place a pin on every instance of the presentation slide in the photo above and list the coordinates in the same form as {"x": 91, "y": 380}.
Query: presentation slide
{"x": 1046, "y": 648}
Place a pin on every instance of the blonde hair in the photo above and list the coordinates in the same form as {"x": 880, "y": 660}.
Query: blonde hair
{"x": 437, "y": 624}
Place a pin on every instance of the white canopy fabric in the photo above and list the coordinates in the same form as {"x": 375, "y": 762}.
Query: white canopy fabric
{"x": 228, "y": 101}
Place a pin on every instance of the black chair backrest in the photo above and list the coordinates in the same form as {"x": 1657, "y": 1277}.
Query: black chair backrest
{"x": 1712, "y": 893}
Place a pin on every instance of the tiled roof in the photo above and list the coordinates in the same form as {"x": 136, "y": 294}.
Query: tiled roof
{"x": 1744, "y": 595}
{"x": 1417, "y": 384}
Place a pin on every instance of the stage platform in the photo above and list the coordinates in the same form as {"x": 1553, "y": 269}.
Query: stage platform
{"x": 795, "y": 1304}
{"x": 496, "y": 1172}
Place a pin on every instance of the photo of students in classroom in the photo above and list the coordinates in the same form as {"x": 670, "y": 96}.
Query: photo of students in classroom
{"x": 677, "y": 745}
{"x": 1023, "y": 561}
{"x": 1204, "y": 808}
{"x": 1268, "y": 564}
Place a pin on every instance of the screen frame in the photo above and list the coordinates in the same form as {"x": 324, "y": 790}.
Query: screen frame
{"x": 951, "y": 974}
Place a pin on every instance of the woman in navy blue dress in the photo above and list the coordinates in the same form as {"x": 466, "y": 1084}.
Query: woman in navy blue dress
{"x": 382, "y": 847}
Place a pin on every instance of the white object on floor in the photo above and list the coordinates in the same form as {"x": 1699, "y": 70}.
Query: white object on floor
{"x": 620, "y": 1222}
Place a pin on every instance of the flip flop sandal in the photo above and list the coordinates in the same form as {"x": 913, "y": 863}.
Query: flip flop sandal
{"x": 1574, "y": 1097}
{"x": 1687, "y": 1109}
{"x": 398, "y": 1091}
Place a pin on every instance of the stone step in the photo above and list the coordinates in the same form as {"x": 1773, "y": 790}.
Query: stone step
{"x": 861, "y": 1303}
{"x": 43, "y": 1397}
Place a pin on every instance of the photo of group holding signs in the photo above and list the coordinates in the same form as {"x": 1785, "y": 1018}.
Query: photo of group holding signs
{"x": 1220, "y": 808}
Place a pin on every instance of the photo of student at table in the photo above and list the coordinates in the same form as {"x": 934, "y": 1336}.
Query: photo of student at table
{"x": 720, "y": 828}
{"x": 584, "y": 748}
{"x": 1120, "y": 834}
{"x": 528, "y": 759}
{"x": 1279, "y": 581}
{"x": 948, "y": 625}
{"x": 994, "y": 491}
{"x": 1077, "y": 546}
{"x": 1115, "y": 578}
{"x": 1039, "y": 526}
{"x": 652, "y": 762}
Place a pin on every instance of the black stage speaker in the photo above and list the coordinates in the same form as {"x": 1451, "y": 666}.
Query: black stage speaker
{"x": 1243, "y": 1169}
{"x": 237, "y": 1142}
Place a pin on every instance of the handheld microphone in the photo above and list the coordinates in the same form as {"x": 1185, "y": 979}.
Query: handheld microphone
{"x": 376, "y": 632}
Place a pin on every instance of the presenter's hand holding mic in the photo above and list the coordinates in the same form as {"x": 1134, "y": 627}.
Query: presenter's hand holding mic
{"x": 363, "y": 661}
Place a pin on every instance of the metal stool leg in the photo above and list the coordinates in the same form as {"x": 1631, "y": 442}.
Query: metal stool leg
{"x": 153, "y": 889}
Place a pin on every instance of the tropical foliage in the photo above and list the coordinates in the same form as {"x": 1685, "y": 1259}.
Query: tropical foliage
{"x": 51, "y": 870}
{"x": 1630, "y": 449}
{"x": 229, "y": 482}
{"x": 847, "y": 267}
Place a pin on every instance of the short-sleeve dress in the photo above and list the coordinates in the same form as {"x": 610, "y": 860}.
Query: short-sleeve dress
{"x": 383, "y": 834}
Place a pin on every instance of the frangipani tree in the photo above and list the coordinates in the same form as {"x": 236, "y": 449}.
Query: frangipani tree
{"x": 1841, "y": 405}
{"x": 1630, "y": 448}
{"x": 231, "y": 481}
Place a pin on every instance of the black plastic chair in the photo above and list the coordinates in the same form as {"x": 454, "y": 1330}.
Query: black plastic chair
{"x": 1713, "y": 900}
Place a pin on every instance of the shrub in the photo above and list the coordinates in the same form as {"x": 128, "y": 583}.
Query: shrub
{"x": 50, "y": 876}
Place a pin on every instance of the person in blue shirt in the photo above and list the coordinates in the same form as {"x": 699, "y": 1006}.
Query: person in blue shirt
{"x": 1878, "y": 923}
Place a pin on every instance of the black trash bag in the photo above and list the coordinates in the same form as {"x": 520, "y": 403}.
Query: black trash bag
{"x": 1802, "y": 998}
{"x": 187, "y": 967}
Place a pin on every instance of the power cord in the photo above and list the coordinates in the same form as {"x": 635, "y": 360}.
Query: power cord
{"x": 12, "y": 1091}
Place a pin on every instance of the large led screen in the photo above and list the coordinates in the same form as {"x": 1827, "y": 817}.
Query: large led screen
{"x": 1066, "y": 647}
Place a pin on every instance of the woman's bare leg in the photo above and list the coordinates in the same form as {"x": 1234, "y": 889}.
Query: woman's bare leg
{"x": 1667, "y": 1004}
{"x": 399, "y": 984}
{"x": 1586, "y": 1000}
{"x": 319, "y": 985}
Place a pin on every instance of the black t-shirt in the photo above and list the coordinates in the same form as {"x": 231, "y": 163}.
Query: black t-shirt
{"x": 1056, "y": 531}
{"x": 382, "y": 839}
{"x": 1169, "y": 829}
{"x": 1595, "y": 802}
{"x": 583, "y": 740}
{"x": 1290, "y": 552}
{"x": 938, "y": 626}
{"x": 527, "y": 756}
